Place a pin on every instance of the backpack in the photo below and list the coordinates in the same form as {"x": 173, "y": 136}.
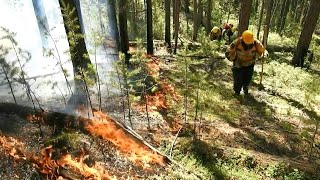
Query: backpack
{"x": 227, "y": 54}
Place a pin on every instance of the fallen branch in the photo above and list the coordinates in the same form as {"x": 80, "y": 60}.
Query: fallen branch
{"x": 174, "y": 141}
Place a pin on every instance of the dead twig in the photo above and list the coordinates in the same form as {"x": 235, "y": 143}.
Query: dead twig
{"x": 174, "y": 141}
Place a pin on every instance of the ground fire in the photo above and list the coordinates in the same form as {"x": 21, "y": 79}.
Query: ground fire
{"x": 49, "y": 166}
{"x": 103, "y": 126}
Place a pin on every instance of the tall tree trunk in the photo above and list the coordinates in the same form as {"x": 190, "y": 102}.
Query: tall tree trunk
{"x": 260, "y": 19}
{"x": 42, "y": 20}
{"x": 307, "y": 31}
{"x": 123, "y": 28}
{"x": 195, "y": 20}
{"x": 256, "y": 6}
{"x": 176, "y": 25}
{"x": 268, "y": 20}
{"x": 200, "y": 13}
{"x": 167, "y": 33}
{"x": 244, "y": 16}
{"x": 283, "y": 16}
{"x": 209, "y": 10}
{"x": 173, "y": 12}
{"x": 283, "y": 22}
{"x": 149, "y": 27}
{"x": 280, "y": 17}
{"x": 187, "y": 11}
{"x": 78, "y": 50}
{"x": 112, "y": 20}
{"x": 134, "y": 17}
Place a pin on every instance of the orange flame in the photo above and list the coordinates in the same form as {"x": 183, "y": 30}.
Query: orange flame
{"x": 96, "y": 172}
{"x": 47, "y": 165}
{"x": 102, "y": 125}
{"x": 158, "y": 100}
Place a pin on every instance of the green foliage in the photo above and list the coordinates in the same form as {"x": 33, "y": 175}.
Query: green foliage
{"x": 283, "y": 171}
{"x": 67, "y": 140}
{"x": 293, "y": 83}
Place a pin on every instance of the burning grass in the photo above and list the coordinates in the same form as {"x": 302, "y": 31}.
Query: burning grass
{"x": 158, "y": 100}
{"x": 47, "y": 165}
{"x": 103, "y": 126}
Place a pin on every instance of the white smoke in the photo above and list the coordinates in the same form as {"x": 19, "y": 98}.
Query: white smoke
{"x": 18, "y": 16}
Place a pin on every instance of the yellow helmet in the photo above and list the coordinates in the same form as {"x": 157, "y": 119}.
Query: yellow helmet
{"x": 247, "y": 37}
{"x": 215, "y": 29}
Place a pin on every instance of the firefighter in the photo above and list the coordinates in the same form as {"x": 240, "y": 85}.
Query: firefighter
{"x": 215, "y": 33}
{"x": 243, "y": 52}
{"x": 228, "y": 30}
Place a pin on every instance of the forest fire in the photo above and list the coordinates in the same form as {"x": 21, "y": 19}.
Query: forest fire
{"x": 96, "y": 172}
{"x": 103, "y": 126}
{"x": 158, "y": 100}
{"x": 48, "y": 166}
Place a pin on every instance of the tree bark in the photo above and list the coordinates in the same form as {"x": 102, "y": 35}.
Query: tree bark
{"x": 42, "y": 20}
{"x": 283, "y": 16}
{"x": 283, "y": 22}
{"x": 209, "y": 10}
{"x": 176, "y": 25}
{"x": 260, "y": 19}
{"x": 149, "y": 28}
{"x": 306, "y": 34}
{"x": 123, "y": 28}
{"x": 195, "y": 18}
{"x": 78, "y": 50}
{"x": 112, "y": 20}
{"x": 244, "y": 16}
{"x": 80, "y": 16}
{"x": 268, "y": 20}
{"x": 167, "y": 23}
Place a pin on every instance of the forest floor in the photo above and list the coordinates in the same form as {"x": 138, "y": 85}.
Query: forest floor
{"x": 266, "y": 135}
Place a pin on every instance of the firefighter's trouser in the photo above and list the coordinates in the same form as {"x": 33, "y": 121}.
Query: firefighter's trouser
{"x": 242, "y": 78}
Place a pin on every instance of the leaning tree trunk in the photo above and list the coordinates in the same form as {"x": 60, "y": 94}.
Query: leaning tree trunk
{"x": 244, "y": 16}
{"x": 78, "y": 50}
{"x": 123, "y": 28}
{"x": 307, "y": 31}
{"x": 42, "y": 20}
{"x": 268, "y": 20}
{"x": 167, "y": 33}
{"x": 176, "y": 24}
{"x": 149, "y": 27}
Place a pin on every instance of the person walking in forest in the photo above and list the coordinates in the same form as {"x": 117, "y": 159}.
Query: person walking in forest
{"x": 228, "y": 30}
{"x": 215, "y": 33}
{"x": 243, "y": 53}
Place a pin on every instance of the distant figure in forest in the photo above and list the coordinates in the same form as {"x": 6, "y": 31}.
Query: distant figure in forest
{"x": 243, "y": 53}
{"x": 215, "y": 33}
{"x": 228, "y": 30}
